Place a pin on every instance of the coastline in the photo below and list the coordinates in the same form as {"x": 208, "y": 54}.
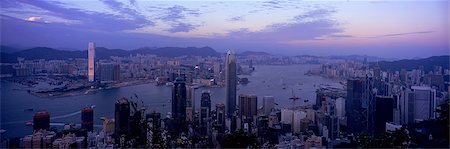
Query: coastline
{"x": 85, "y": 90}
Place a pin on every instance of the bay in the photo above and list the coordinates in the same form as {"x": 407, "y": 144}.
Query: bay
{"x": 280, "y": 81}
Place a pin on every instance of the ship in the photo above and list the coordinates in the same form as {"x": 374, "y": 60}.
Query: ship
{"x": 293, "y": 96}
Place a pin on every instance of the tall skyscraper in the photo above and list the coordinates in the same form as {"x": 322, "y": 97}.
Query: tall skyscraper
{"x": 230, "y": 83}
{"x": 179, "y": 104}
{"x": 205, "y": 111}
{"x": 384, "y": 112}
{"x": 91, "y": 62}
{"x": 87, "y": 118}
{"x": 190, "y": 103}
{"x": 122, "y": 118}
{"x": 360, "y": 105}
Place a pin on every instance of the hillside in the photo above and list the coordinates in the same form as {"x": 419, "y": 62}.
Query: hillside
{"x": 103, "y": 53}
{"x": 248, "y": 53}
{"x": 408, "y": 64}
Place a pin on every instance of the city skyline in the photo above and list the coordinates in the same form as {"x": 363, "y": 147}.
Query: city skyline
{"x": 392, "y": 29}
{"x": 224, "y": 74}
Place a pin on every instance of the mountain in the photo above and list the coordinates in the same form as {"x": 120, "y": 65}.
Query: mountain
{"x": 48, "y": 53}
{"x": 177, "y": 51}
{"x": 103, "y": 53}
{"x": 409, "y": 64}
{"x": 361, "y": 58}
{"x": 7, "y": 49}
{"x": 248, "y": 53}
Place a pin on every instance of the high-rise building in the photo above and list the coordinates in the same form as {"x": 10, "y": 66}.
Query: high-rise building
{"x": 91, "y": 62}
{"x": 359, "y": 105}
{"x": 87, "y": 118}
{"x": 406, "y": 107}
{"x": 205, "y": 111}
{"x": 41, "y": 120}
{"x": 247, "y": 108}
{"x": 220, "y": 116}
{"x": 268, "y": 104}
{"x": 424, "y": 102}
{"x": 190, "y": 102}
{"x": 340, "y": 107}
{"x": 286, "y": 116}
{"x": 179, "y": 104}
{"x": 230, "y": 83}
{"x": 155, "y": 120}
{"x": 108, "y": 72}
{"x": 217, "y": 74}
{"x": 122, "y": 118}
{"x": 384, "y": 112}
{"x": 296, "y": 121}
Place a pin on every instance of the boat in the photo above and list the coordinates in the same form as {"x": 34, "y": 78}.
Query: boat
{"x": 29, "y": 123}
{"x": 29, "y": 109}
{"x": 293, "y": 96}
{"x": 169, "y": 84}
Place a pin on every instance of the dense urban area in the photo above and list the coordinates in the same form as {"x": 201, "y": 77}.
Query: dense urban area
{"x": 395, "y": 104}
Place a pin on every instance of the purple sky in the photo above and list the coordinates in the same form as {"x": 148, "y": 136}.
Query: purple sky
{"x": 393, "y": 29}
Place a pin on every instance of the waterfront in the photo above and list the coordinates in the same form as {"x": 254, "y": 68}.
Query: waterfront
{"x": 266, "y": 80}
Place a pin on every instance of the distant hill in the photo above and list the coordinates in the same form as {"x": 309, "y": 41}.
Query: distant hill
{"x": 7, "y": 49}
{"x": 409, "y": 64}
{"x": 361, "y": 58}
{"x": 248, "y": 53}
{"x": 48, "y": 53}
{"x": 103, "y": 53}
{"x": 177, "y": 51}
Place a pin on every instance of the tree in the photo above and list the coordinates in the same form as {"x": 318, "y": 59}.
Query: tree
{"x": 239, "y": 139}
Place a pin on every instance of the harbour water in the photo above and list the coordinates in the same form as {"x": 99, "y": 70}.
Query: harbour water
{"x": 275, "y": 80}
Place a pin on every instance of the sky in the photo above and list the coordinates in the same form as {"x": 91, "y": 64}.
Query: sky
{"x": 390, "y": 28}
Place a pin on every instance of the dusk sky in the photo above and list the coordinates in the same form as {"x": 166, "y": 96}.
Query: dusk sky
{"x": 392, "y": 29}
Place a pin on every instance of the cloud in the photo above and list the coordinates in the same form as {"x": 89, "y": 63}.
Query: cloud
{"x": 181, "y": 27}
{"x": 133, "y": 14}
{"x": 236, "y": 19}
{"x": 314, "y": 14}
{"x": 98, "y": 21}
{"x": 133, "y": 2}
{"x": 177, "y": 13}
{"x": 290, "y": 31}
{"x": 340, "y": 36}
{"x": 402, "y": 34}
{"x": 33, "y": 19}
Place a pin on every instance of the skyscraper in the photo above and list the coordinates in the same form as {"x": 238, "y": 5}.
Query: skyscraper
{"x": 41, "y": 120}
{"x": 231, "y": 80}
{"x": 424, "y": 102}
{"x": 220, "y": 116}
{"x": 247, "y": 107}
{"x": 355, "y": 88}
{"x": 91, "y": 62}
{"x": 179, "y": 104}
{"x": 268, "y": 103}
{"x": 360, "y": 105}
{"x": 205, "y": 111}
{"x": 384, "y": 112}
{"x": 122, "y": 118}
{"x": 87, "y": 118}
